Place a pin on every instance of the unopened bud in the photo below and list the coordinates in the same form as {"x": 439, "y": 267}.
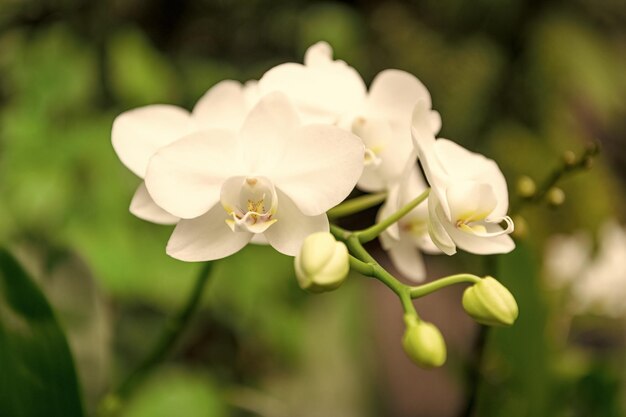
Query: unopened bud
{"x": 490, "y": 303}
{"x": 526, "y": 186}
{"x": 555, "y": 196}
{"x": 322, "y": 264}
{"x": 569, "y": 158}
{"x": 423, "y": 343}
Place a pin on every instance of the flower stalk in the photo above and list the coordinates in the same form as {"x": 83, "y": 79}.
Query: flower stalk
{"x": 362, "y": 262}
{"x": 173, "y": 329}
{"x": 356, "y": 205}
{"x": 372, "y": 232}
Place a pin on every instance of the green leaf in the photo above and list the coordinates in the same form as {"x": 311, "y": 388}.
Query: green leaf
{"x": 37, "y": 376}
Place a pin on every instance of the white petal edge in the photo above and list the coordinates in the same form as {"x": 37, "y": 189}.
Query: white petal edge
{"x": 394, "y": 93}
{"x": 292, "y": 226}
{"x": 185, "y": 178}
{"x": 137, "y": 134}
{"x": 481, "y": 245}
{"x": 323, "y": 90}
{"x": 206, "y": 238}
{"x": 319, "y": 168}
{"x": 266, "y": 132}
{"x": 223, "y": 106}
{"x": 408, "y": 260}
{"x": 143, "y": 206}
{"x": 436, "y": 229}
{"x": 462, "y": 164}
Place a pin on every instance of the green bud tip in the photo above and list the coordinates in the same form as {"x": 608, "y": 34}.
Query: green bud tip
{"x": 322, "y": 264}
{"x": 423, "y": 343}
{"x": 490, "y": 303}
{"x": 569, "y": 158}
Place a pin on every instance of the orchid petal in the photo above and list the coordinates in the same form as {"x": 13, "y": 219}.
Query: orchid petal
{"x": 224, "y": 106}
{"x": 424, "y": 141}
{"x": 371, "y": 181}
{"x": 394, "y": 93}
{"x": 185, "y": 177}
{"x": 319, "y": 168}
{"x": 392, "y": 204}
{"x": 434, "y": 119}
{"x": 266, "y": 132}
{"x": 490, "y": 243}
{"x": 320, "y": 53}
{"x": 292, "y": 226}
{"x": 322, "y": 90}
{"x": 259, "y": 239}
{"x": 137, "y": 134}
{"x": 470, "y": 201}
{"x": 143, "y": 206}
{"x": 408, "y": 260}
{"x": 460, "y": 163}
{"x": 436, "y": 227}
{"x": 206, "y": 238}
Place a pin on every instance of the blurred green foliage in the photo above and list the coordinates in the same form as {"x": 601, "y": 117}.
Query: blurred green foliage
{"x": 521, "y": 81}
{"x": 33, "y": 351}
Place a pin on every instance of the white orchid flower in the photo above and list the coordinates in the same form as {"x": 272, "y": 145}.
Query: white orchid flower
{"x": 383, "y": 122}
{"x": 274, "y": 177}
{"x": 322, "y": 90}
{"x": 469, "y": 197}
{"x": 137, "y": 134}
{"x": 566, "y": 257}
{"x": 404, "y": 240}
{"x": 601, "y": 286}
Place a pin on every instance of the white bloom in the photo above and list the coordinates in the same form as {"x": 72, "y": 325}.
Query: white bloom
{"x": 404, "y": 239}
{"x": 274, "y": 177}
{"x": 601, "y": 287}
{"x": 566, "y": 258}
{"x": 383, "y": 122}
{"x": 137, "y": 134}
{"x": 322, "y": 89}
{"x": 469, "y": 197}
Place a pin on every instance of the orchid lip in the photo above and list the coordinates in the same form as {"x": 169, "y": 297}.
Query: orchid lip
{"x": 478, "y": 229}
{"x": 251, "y": 203}
{"x": 371, "y": 159}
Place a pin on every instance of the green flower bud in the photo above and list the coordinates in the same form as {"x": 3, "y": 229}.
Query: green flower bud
{"x": 555, "y": 196}
{"x": 490, "y": 303}
{"x": 526, "y": 186}
{"x": 322, "y": 264}
{"x": 423, "y": 343}
{"x": 569, "y": 158}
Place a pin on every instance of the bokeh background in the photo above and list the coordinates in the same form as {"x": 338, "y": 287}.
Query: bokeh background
{"x": 520, "y": 81}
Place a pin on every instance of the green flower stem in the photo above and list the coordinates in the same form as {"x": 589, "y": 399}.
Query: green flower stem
{"x": 425, "y": 289}
{"x": 563, "y": 170}
{"x": 362, "y": 262}
{"x": 356, "y": 205}
{"x": 372, "y": 232}
{"x": 174, "y": 328}
{"x": 361, "y": 267}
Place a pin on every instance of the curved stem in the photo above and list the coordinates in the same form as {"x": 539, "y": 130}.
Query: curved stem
{"x": 364, "y": 263}
{"x": 425, "y": 289}
{"x": 174, "y": 328}
{"x": 559, "y": 173}
{"x": 372, "y": 232}
{"x": 356, "y": 205}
